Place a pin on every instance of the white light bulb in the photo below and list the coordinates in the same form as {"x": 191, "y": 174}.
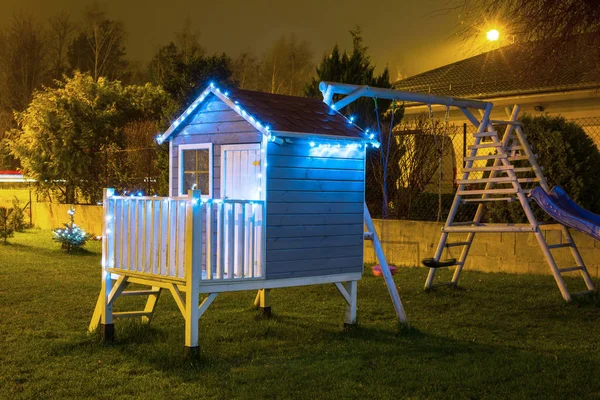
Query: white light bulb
{"x": 312, "y": 144}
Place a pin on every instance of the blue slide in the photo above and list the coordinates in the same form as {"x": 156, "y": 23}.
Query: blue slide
{"x": 563, "y": 209}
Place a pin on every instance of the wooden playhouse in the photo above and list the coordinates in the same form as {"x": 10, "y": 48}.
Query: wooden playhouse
{"x": 266, "y": 191}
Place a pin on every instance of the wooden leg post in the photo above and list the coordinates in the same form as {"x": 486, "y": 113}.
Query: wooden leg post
{"x": 193, "y": 271}
{"x": 151, "y": 304}
{"x": 107, "y": 327}
{"x": 351, "y": 308}
{"x": 263, "y": 302}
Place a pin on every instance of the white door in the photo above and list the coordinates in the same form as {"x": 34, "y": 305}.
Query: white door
{"x": 240, "y": 172}
{"x": 240, "y": 180}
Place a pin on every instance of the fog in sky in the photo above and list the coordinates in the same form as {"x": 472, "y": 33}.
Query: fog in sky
{"x": 405, "y": 35}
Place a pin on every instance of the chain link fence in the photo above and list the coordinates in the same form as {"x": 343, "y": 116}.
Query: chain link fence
{"x": 433, "y": 160}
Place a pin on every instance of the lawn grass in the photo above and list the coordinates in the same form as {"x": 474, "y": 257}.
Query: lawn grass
{"x": 502, "y": 336}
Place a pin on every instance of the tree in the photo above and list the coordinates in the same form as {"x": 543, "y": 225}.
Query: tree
{"x": 22, "y": 58}
{"x": 246, "y": 71}
{"x": 286, "y": 67}
{"x": 59, "y": 37}
{"x": 182, "y": 68}
{"x": 99, "y": 49}
{"x": 356, "y": 68}
{"x": 65, "y": 134}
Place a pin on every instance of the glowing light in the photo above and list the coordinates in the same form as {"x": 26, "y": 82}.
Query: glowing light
{"x": 108, "y": 218}
{"x": 371, "y": 136}
{"x": 312, "y": 144}
{"x": 351, "y": 118}
{"x": 493, "y": 35}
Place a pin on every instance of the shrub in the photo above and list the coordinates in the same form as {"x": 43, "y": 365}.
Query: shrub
{"x": 17, "y": 217}
{"x": 6, "y": 229}
{"x": 71, "y": 236}
{"x": 569, "y": 158}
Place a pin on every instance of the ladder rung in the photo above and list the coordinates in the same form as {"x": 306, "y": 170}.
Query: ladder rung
{"x": 457, "y": 244}
{"x": 504, "y": 122}
{"x": 486, "y": 134}
{"x": 558, "y": 246}
{"x": 489, "y": 228}
{"x": 514, "y": 148}
{"x": 520, "y": 158}
{"x": 484, "y": 169}
{"x": 486, "y": 145}
{"x": 139, "y": 292}
{"x": 506, "y": 179}
{"x": 583, "y": 293}
{"x": 528, "y": 180}
{"x": 131, "y": 314}
{"x": 523, "y": 169}
{"x": 484, "y": 191}
{"x": 435, "y": 285}
{"x": 563, "y": 270}
{"x": 487, "y": 199}
{"x": 486, "y": 157}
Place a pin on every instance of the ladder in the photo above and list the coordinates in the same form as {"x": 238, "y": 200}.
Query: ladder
{"x": 501, "y": 171}
{"x": 371, "y": 234}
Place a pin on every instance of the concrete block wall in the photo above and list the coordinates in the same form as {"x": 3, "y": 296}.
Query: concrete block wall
{"x": 406, "y": 243}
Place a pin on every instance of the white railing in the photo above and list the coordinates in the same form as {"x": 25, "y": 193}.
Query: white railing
{"x": 161, "y": 236}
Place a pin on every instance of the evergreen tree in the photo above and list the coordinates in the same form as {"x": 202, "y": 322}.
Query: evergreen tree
{"x": 356, "y": 68}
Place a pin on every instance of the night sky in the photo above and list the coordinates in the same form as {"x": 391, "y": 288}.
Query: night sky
{"x": 400, "y": 33}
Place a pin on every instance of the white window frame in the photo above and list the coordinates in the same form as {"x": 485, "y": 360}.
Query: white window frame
{"x": 196, "y": 146}
{"x": 244, "y": 146}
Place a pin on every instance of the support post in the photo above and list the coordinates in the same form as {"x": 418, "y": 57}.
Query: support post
{"x": 151, "y": 304}
{"x": 351, "y": 289}
{"x": 193, "y": 271}
{"x": 107, "y": 327}
{"x": 263, "y": 302}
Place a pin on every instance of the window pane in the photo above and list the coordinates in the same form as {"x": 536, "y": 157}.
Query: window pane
{"x": 202, "y": 159}
{"x": 203, "y": 182}
{"x": 189, "y": 179}
{"x": 189, "y": 160}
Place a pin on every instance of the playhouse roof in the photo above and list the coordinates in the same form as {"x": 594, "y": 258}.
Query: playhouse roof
{"x": 278, "y": 114}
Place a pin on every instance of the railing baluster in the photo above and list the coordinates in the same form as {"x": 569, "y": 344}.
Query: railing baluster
{"x": 156, "y": 236}
{"x": 164, "y": 235}
{"x": 133, "y": 235}
{"x": 230, "y": 240}
{"x": 181, "y": 239}
{"x": 241, "y": 250}
{"x": 118, "y": 234}
{"x": 251, "y": 239}
{"x": 172, "y": 263}
{"x": 141, "y": 236}
{"x": 220, "y": 240}
{"x": 209, "y": 240}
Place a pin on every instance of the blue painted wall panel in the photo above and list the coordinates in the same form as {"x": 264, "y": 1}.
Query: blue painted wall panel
{"x": 314, "y": 210}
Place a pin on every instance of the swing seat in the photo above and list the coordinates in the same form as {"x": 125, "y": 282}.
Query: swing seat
{"x": 431, "y": 263}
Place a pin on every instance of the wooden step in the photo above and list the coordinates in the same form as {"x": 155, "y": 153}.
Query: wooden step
{"x": 528, "y": 180}
{"x": 523, "y": 169}
{"x": 131, "y": 314}
{"x": 570, "y": 269}
{"x": 140, "y": 292}
{"x": 520, "y": 158}
{"x": 489, "y": 199}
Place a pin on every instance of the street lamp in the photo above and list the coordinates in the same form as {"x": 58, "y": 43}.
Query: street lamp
{"x": 493, "y": 35}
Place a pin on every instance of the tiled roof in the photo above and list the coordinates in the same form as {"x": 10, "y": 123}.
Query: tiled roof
{"x": 503, "y": 72}
{"x": 294, "y": 114}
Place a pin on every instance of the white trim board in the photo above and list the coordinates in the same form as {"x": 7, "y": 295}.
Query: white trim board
{"x": 196, "y": 146}
{"x": 233, "y": 286}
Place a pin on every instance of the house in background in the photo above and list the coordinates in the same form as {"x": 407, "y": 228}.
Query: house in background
{"x": 569, "y": 87}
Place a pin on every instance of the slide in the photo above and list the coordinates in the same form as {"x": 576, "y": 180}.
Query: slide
{"x": 563, "y": 209}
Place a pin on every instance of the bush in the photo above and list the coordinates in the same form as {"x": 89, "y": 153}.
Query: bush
{"x": 17, "y": 217}
{"x": 569, "y": 158}
{"x": 6, "y": 229}
{"x": 71, "y": 236}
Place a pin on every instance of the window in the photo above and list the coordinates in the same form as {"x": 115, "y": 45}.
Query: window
{"x": 195, "y": 163}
